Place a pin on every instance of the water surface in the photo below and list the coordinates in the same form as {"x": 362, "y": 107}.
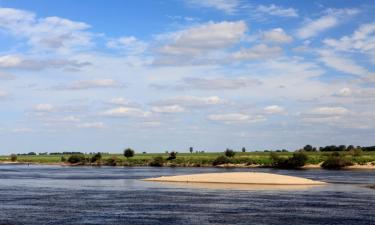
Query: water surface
{"x": 107, "y": 195}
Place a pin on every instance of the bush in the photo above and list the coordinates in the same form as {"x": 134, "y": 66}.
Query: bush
{"x": 229, "y": 153}
{"x": 113, "y": 161}
{"x": 63, "y": 159}
{"x": 172, "y": 155}
{"x": 298, "y": 160}
{"x": 221, "y": 160}
{"x": 13, "y": 157}
{"x": 336, "y": 161}
{"x": 97, "y": 157}
{"x": 128, "y": 153}
{"x": 157, "y": 161}
{"x": 76, "y": 158}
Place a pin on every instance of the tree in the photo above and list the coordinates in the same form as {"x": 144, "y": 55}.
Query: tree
{"x": 128, "y": 153}
{"x": 308, "y": 148}
{"x": 298, "y": 160}
{"x": 96, "y": 157}
{"x": 229, "y": 153}
{"x": 191, "y": 149}
{"x": 13, "y": 157}
{"x": 342, "y": 148}
{"x": 243, "y": 149}
{"x": 172, "y": 155}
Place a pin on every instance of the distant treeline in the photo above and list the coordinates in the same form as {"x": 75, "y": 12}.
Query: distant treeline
{"x": 337, "y": 148}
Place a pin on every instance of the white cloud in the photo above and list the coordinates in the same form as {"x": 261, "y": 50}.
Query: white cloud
{"x": 277, "y": 35}
{"x": 329, "y": 111}
{"x": 168, "y": 109}
{"x": 44, "y": 107}
{"x": 45, "y": 33}
{"x": 9, "y": 61}
{"x": 22, "y": 130}
{"x": 333, "y": 18}
{"x": 274, "y": 109}
{"x": 95, "y": 83}
{"x": 260, "y": 51}
{"x": 344, "y": 92}
{"x": 119, "y": 101}
{"x": 125, "y": 112}
{"x": 129, "y": 44}
{"x": 341, "y": 63}
{"x": 97, "y": 125}
{"x": 275, "y": 10}
{"x": 227, "y": 6}
{"x": 204, "y": 37}
{"x": 191, "y": 101}
{"x": 236, "y": 118}
{"x": 220, "y": 83}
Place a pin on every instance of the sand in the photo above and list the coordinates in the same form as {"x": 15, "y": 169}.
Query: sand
{"x": 253, "y": 178}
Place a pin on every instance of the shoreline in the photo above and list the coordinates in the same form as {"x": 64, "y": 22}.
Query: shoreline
{"x": 368, "y": 166}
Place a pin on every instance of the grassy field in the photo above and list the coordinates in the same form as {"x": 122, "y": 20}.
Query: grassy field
{"x": 196, "y": 159}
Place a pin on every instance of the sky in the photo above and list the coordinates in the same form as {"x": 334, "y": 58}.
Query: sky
{"x": 168, "y": 75}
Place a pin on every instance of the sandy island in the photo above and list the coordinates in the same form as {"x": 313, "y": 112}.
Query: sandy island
{"x": 248, "y": 178}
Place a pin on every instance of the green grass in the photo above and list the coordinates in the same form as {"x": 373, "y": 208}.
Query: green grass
{"x": 198, "y": 159}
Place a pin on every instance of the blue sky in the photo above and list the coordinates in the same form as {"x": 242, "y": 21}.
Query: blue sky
{"x": 166, "y": 75}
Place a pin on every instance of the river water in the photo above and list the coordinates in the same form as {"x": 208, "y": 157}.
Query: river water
{"x": 108, "y": 195}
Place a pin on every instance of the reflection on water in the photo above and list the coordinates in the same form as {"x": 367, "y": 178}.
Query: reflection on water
{"x": 84, "y": 195}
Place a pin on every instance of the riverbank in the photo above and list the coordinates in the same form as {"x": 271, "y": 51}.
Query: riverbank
{"x": 367, "y": 166}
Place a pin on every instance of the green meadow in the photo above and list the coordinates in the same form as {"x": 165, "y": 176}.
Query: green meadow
{"x": 194, "y": 159}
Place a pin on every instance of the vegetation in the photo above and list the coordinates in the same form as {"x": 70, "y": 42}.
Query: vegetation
{"x": 77, "y": 158}
{"x": 298, "y": 160}
{"x": 128, "y": 153}
{"x": 196, "y": 158}
{"x": 157, "y": 161}
{"x": 336, "y": 161}
{"x": 96, "y": 158}
{"x": 229, "y": 153}
{"x": 222, "y": 159}
{"x": 172, "y": 155}
{"x": 13, "y": 157}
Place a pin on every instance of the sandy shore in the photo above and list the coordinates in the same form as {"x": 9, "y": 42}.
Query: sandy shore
{"x": 253, "y": 178}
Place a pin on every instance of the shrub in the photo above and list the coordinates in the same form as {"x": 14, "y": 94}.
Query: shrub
{"x": 113, "y": 161}
{"x": 221, "y": 160}
{"x": 63, "y": 159}
{"x": 96, "y": 157}
{"x": 128, "y": 153}
{"x": 172, "y": 155}
{"x": 76, "y": 158}
{"x": 298, "y": 160}
{"x": 229, "y": 153}
{"x": 336, "y": 161}
{"x": 13, "y": 157}
{"x": 157, "y": 161}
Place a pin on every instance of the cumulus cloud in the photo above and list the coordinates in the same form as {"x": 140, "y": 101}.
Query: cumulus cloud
{"x": 95, "y": 83}
{"x": 344, "y": 92}
{"x": 49, "y": 33}
{"x": 257, "y": 52}
{"x": 275, "y": 10}
{"x": 27, "y": 63}
{"x": 168, "y": 109}
{"x": 191, "y": 101}
{"x": 96, "y": 125}
{"x": 236, "y": 118}
{"x": 276, "y": 35}
{"x": 125, "y": 112}
{"x": 220, "y": 83}
{"x": 227, "y": 6}
{"x": 44, "y": 107}
{"x": 204, "y": 37}
{"x": 129, "y": 44}
{"x": 274, "y": 109}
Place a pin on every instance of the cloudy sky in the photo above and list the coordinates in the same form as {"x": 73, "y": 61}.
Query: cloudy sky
{"x": 167, "y": 75}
